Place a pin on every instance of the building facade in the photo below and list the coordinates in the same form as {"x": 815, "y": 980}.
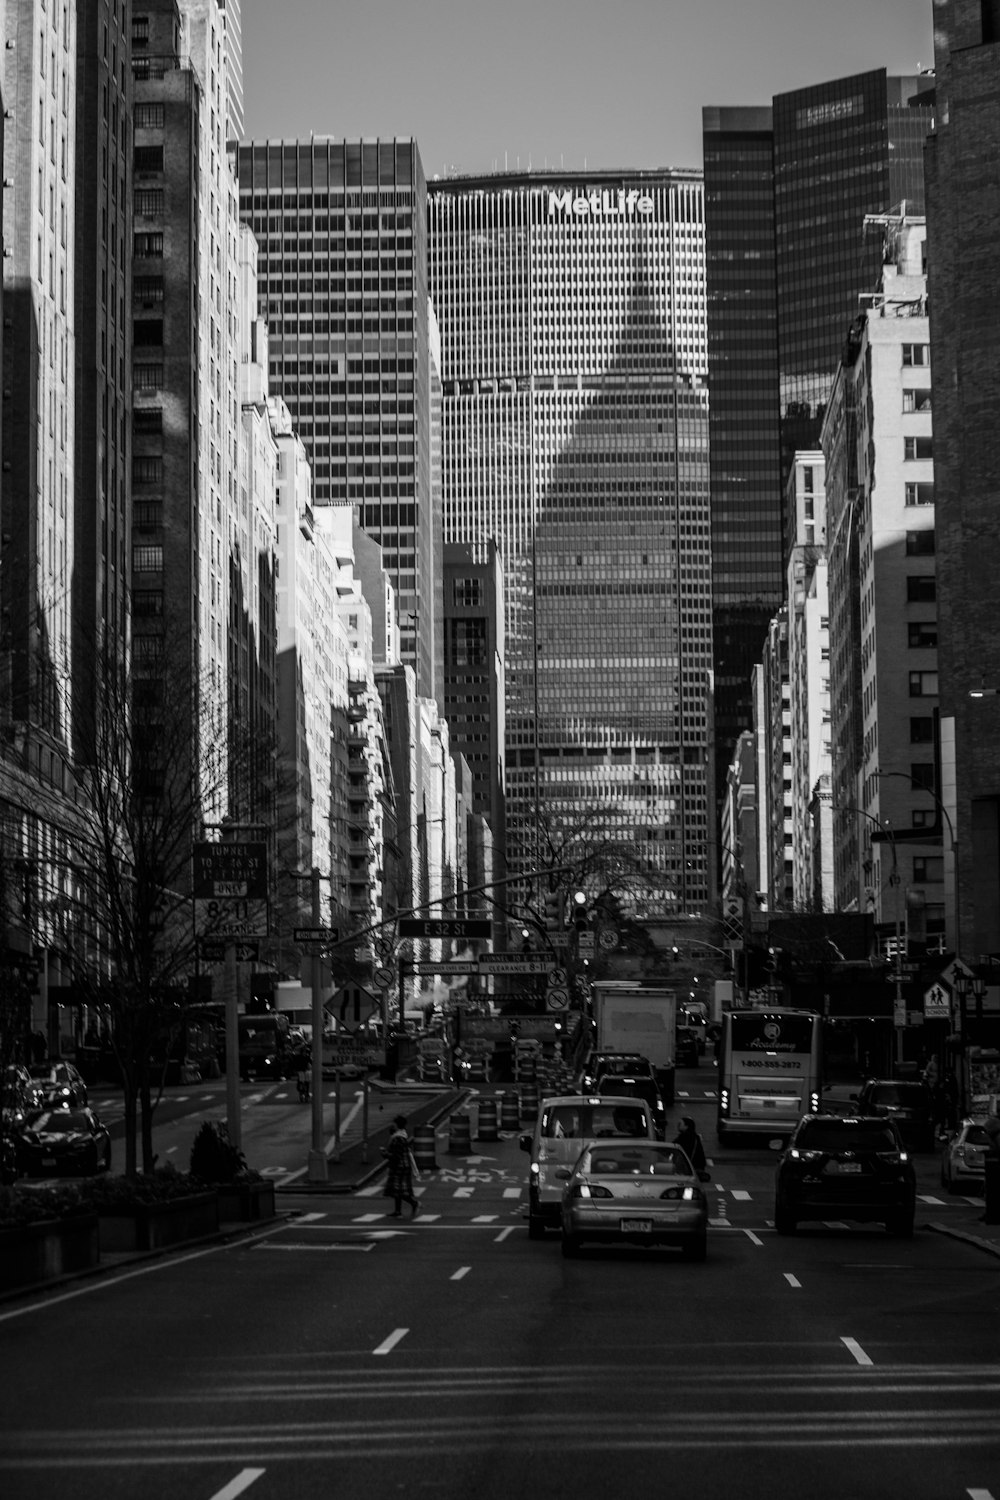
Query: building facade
{"x": 575, "y": 439}
{"x": 787, "y": 191}
{"x": 963, "y": 213}
{"x": 342, "y": 233}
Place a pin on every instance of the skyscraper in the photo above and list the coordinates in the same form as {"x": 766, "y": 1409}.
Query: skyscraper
{"x": 787, "y": 189}
{"x": 341, "y": 228}
{"x": 574, "y": 436}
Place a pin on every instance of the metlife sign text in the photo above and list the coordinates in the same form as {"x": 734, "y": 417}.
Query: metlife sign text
{"x": 603, "y": 204}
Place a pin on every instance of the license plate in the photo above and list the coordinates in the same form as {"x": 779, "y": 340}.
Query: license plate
{"x": 48, "y": 1161}
{"x": 770, "y": 1104}
{"x": 845, "y": 1166}
{"x": 636, "y": 1226}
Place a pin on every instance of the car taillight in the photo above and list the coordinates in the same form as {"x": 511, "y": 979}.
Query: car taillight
{"x": 590, "y": 1190}
{"x": 797, "y": 1154}
{"x": 723, "y": 1101}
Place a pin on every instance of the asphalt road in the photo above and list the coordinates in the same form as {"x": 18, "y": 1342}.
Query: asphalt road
{"x": 343, "y": 1354}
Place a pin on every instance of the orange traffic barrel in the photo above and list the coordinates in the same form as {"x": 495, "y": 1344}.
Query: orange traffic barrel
{"x": 424, "y": 1141}
{"x": 510, "y": 1111}
{"x": 460, "y": 1133}
{"x": 487, "y": 1128}
{"x": 529, "y": 1101}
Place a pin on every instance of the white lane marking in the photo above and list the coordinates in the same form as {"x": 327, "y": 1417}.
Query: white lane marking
{"x": 512, "y": 1192}
{"x": 741, "y": 1195}
{"x": 499, "y": 1238}
{"x": 485, "y": 1219}
{"x": 244, "y": 1479}
{"x": 387, "y": 1345}
{"x": 719, "y": 1223}
{"x": 752, "y": 1237}
{"x": 309, "y": 1218}
{"x": 462, "y": 1193}
{"x": 929, "y": 1198}
{"x": 305, "y": 1245}
{"x": 976, "y": 1202}
{"x": 856, "y": 1349}
{"x": 979, "y": 1495}
{"x": 792, "y": 1280}
{"x": 368, "y": 1218}
{"x": 683, "y": 1094}
{"x": 377, "y": 1189}
{"x": 462, "y": 1271}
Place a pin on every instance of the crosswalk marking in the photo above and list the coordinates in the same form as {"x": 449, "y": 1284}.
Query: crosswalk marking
{"x": 512, "y": 1192}
{"x": 929, "y": 1198}
{"x": 740, "y": 1194}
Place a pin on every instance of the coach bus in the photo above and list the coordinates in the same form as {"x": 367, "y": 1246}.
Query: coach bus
{"x": 770, "y": 1065}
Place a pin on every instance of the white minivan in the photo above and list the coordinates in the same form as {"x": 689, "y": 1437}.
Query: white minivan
{"x": 564, "y": 1126}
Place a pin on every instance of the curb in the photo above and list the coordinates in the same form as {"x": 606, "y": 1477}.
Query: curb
{"x": 970, "y": 1239}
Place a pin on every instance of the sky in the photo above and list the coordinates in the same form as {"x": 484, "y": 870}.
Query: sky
{"x": 552, "y": 83}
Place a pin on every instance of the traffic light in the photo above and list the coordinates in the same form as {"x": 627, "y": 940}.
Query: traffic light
{"x": 581, "y": 916}
{"x": 554, "y": 910}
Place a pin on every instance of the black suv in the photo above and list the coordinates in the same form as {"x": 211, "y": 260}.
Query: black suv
{"x": 909, "y": 1104}
{"x": 637, "y": 1086}
{"x": 845, "y": 1167}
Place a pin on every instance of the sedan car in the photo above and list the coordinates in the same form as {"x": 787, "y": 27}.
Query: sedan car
{"x": 58, "y": 1142}
{"x": 613, "y": 1064}
{"x": 845, "y": 1167}
{"x": 962, "y": 1158}
{"x": 633, "y": 1192}
{"x": 56, "y": 1083}
{"x": 909, "y": 1104}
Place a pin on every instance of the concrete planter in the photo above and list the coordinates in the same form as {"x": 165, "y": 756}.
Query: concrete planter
{"x": 153, "y": 1226}
{"x": 243, "y": 1201}
{"x": 43, "y": 1251}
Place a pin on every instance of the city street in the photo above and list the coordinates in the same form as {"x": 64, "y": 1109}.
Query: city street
{"x": 339, "y": 1351}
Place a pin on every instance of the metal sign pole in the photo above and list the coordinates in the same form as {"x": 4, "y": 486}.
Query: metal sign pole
{"x": 234, "y": 1117}
{"x": 317, "y": 1168}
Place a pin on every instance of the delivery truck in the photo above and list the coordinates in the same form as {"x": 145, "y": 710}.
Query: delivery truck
{"x": 630, "y": 1018}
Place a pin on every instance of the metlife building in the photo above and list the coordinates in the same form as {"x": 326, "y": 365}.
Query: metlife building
{"x": 575, "y": 434}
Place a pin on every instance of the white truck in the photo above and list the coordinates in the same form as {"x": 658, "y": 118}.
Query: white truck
{"x": 629, "y": 1018}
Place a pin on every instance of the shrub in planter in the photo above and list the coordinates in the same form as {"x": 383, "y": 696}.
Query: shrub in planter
{"x": 153, "y": 1209}
{"x": 243, "y": 1193}
{"x": 44, "y": 1233}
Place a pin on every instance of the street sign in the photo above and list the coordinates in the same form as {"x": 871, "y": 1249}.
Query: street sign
{"x": 445, "y": 969}
{"x": 557, "y": 999}
{"x": 384, "y": 978}
{"x": 608, "y": 939}
{"x": 445, "y": 927}
{"x": 513, "y": 963}
{"x": 316, "y": 934}
{"x": 954, "y": 968}
{"x": 384, "y": 948}
{"x": 937, "y": 1003}
{"x": 585, "y": 943}
{"x": 230, "y": 889}
{"x": 356, "y": 1004}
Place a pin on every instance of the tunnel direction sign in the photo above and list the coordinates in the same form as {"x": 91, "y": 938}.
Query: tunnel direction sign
{"x": 230, "y": 889}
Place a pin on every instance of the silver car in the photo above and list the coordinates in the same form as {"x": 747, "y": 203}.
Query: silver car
{"x": 634, "y": 1193}
{"x": 962, "y": 1158}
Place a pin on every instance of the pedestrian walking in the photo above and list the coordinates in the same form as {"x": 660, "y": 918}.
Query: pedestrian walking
{"x": 402, "y": 1169}
{"x": 691, "y": 1144}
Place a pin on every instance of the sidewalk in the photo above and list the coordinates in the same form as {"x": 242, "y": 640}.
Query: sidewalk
{"x": 970, "y": 1227}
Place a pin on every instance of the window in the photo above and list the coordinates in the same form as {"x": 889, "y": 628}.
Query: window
{"x": 148, "y": 158}
{"x": 468, "y": 592}
{"x": 921, "y": 589}
{"x": 928, "y": 869}
{"x": 147, "y": 290}
{"x": 147, "y": 515}
{"x": 147, "y": 419}
{"x": 147, "y": 377}
{"x": 148, "y": 245}
{"x": 922, "y": 634}
{"x": 920, "y": 494}
{"x": 922, "y": 731}
{"x": 923, "y": 684}
{"x": 920, "y": 543}
{"x": 922, "y": 776}
{"x": 147, "y": 559}
{"x": 147, "y": 470}
{"x": 140, "y": 32}
{"x": 148, "y": 333}
{"x": 149, "y": 201}
{"x": 916, "y": 354}
{"x": 923, "y": 817}
{"x": 149, "y": 117}
{"x": 917, "y": 400}
{"x": 918, "y": 447}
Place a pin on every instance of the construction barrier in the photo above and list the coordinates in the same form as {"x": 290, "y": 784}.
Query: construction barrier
{"x": 460, "y": 1133}
{"x": 529, "y": 1102}
{"x": 424, "y": 1142}
{"x": 510, "y": 1111}
{"x": 487, "y": 1127}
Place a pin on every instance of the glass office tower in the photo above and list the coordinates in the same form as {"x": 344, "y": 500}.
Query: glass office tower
{"x": 575, "y": 435}
{"x": 341, "y": 227}
{"x": 787, "y": 189}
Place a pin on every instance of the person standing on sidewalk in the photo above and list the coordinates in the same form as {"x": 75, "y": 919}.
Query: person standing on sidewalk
{"x": 402, "y": 1169}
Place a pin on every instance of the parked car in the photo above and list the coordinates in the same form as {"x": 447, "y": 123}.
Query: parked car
{"x": 633, "y": 1193}
{"x": 56, "y": 1085}
{"x": 845, "y": 1167}
{"x": 909, "y": 1104}
{"x": 58, "y": 1142}
{"x": 962, "y": 1164}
